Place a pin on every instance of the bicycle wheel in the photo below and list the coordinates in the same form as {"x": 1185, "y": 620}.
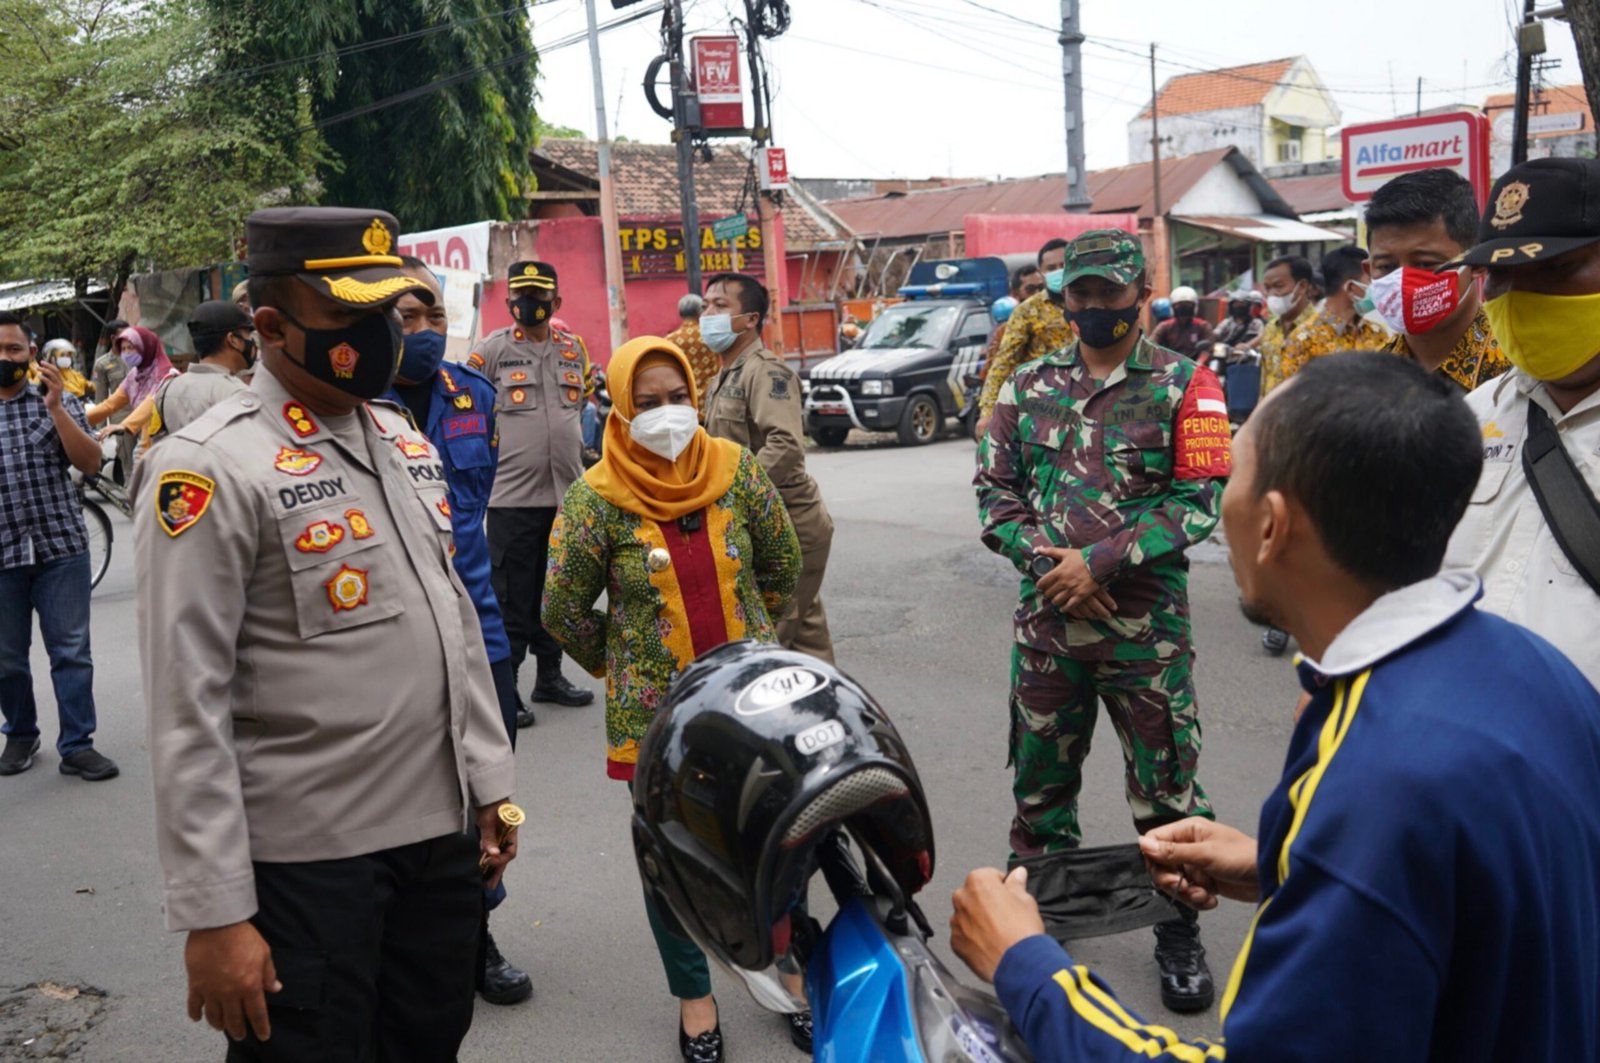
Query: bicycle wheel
{"x": 99, "y": 525}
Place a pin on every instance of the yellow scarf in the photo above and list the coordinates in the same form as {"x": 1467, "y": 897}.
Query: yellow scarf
{"x": 631, "y": 477}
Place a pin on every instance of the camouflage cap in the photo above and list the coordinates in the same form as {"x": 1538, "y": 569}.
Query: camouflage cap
{"x": 1110, "y": 253}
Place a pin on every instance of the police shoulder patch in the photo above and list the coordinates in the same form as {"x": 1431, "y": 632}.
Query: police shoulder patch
{"x": 780, "y": 385}
{"x": 182, "y": 498}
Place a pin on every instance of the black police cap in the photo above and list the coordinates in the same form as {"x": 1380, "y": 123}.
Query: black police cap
{"x": 530, "y": 274}
{"x": 1537, "y": 210}
{"x": 343, "y": 253}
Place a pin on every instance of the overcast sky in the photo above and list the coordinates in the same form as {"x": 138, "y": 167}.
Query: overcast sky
{"x": 917, "y": 88}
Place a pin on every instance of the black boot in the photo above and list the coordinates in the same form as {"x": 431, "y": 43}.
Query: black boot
{"x": 1185, "y": 979}
{"x": 502, "y": 983}
{"x": 553, "y": 686}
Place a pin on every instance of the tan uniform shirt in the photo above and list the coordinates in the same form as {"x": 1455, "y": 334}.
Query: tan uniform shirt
{"x": 1527, "y": 577}
{"x": 756, "y": 403}
{"x": 314, "y": 672}
{"x": 183, "y": 399}
{"x": 540, "y": 388}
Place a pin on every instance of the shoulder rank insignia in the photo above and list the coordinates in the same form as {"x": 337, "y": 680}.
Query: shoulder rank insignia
{"x": 359, "y": 527}
{"x": 182, "y": 498}
{"x": 296, "y": 462}
{"x": 347, "y": 589}
{"x": 320, "y": 537}
{"x": 411, "y": 448}
{"x": 299, "y": 419}
{"x": 463, "y": 402}
{"x": 449, "y": 381}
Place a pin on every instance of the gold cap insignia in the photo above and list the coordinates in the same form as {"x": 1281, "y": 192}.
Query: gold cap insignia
{"x": 530, "y": 270}
{"x": 377, "y": 239}
{"x": 1509, "y": 203}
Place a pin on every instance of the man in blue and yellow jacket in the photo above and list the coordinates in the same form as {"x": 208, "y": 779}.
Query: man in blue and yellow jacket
{"x": 454, "y": 407}
{"x": 1427, "y": 870}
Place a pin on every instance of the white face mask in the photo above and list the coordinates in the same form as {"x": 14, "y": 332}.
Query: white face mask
{"x": 1281, "y": 304}
{"x": 665, "y": 430}
{"x": 63, "y": 361}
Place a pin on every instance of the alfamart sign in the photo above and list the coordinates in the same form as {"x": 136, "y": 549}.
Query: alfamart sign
{"x": 1377, "y": 153}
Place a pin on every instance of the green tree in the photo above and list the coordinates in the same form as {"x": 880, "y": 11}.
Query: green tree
{"x": 118, "y": 152}
{"x": 426, "y": 106}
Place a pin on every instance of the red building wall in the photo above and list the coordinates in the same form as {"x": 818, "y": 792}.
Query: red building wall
{"x": 575, "y": 247}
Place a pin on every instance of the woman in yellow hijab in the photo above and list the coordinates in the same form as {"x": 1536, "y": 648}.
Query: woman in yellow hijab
{"x": 694, "y": 548}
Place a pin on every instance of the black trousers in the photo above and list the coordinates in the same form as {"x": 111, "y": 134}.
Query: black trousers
{"x": 519, "y": 546}
{"x": 378, "y": 955}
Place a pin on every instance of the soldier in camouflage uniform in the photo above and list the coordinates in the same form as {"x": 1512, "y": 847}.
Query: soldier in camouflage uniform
{"x": 1104, "y": 461}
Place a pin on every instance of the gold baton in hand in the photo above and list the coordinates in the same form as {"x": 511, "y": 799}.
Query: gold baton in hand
{"x": 511, "y": 818}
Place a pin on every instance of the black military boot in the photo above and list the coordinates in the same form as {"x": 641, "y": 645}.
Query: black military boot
{"x": 502, "y": 983}
{"x": 1185, "y": 979}
{"x": 553, "y": 686}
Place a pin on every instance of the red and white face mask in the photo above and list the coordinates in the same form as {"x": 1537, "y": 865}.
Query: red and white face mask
{"x": 1416, "y": 300}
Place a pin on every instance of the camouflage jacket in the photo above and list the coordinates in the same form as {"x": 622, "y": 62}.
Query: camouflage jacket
{"x": 1128, "y": 471}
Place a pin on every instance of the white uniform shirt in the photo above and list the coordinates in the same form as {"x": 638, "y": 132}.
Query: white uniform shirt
{"x": 1503, "y": 535}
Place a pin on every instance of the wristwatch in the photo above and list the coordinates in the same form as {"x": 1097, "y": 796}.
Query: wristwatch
{"x": 1041, "y": 566}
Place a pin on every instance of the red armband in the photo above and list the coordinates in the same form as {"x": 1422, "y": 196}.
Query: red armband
{"x": 1202, "y": 444}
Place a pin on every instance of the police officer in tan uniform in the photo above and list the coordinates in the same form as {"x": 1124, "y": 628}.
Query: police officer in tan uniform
{"x": 224, "y": 349}
{"x": 542, "y": 377}
{"x": 755, "y": 401}
{"x": 323, "y": 727}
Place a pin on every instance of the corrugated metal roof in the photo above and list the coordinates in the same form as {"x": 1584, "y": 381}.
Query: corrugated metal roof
{"x": 1262, "y": 228}
{"x": 1313, "y": 194}
{"x": 24, "y": 295}
{"x": 1126, "y": 189}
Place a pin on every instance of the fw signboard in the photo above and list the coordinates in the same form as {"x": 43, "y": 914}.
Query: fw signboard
{"x": 1376, "y": 153}
{"x": 717, "y": 83}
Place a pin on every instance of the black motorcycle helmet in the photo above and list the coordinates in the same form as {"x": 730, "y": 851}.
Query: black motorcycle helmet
{"x": 757, "y": 753}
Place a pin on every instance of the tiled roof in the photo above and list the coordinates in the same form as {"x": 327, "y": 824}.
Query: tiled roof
{"x": 1127, "y": 189}
{"x": 646, "y": 177}
{"x": 1215, "y": 90}
{"x": 1559, "y": 99}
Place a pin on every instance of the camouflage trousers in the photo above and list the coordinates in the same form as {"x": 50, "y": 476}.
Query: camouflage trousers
{"x": 1054, "y": 702}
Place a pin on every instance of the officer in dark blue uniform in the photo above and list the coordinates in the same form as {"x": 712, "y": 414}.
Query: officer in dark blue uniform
{"x": 454, "y": 407}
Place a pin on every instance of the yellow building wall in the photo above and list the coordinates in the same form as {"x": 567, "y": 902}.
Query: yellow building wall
{"x": 1304, "y": 99}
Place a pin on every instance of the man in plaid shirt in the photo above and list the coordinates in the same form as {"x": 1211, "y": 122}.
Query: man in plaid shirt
{"x": 44, "y": 559}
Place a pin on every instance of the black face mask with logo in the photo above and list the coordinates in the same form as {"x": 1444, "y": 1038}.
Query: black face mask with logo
{"x": 1099, "y": 327}
{"x": 359, "y": 359}
{"x": 11, "y": 372}
{"x": 532, "y": 311}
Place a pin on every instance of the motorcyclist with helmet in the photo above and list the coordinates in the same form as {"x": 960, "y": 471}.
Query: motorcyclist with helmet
{"x": 1187, "y": 333}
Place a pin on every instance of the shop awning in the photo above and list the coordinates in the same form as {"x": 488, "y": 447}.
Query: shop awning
{"x": 1262, "y": 228}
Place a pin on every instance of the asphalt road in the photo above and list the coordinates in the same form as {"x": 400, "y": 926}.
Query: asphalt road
{"x": 920, "y": 614}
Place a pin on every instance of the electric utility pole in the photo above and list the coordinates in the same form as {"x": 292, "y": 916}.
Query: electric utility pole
{"x": 686, "y": 121}
{"x": 616, "y": 305}
{"x": 1077, "y": 200}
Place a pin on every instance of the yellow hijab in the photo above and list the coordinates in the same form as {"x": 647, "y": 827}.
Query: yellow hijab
{"x": 639, "y": 481}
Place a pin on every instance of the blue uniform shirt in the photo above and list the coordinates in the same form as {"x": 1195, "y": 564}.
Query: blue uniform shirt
{"x": 461, "y": 428}
{"x": 1429, "y": 864}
